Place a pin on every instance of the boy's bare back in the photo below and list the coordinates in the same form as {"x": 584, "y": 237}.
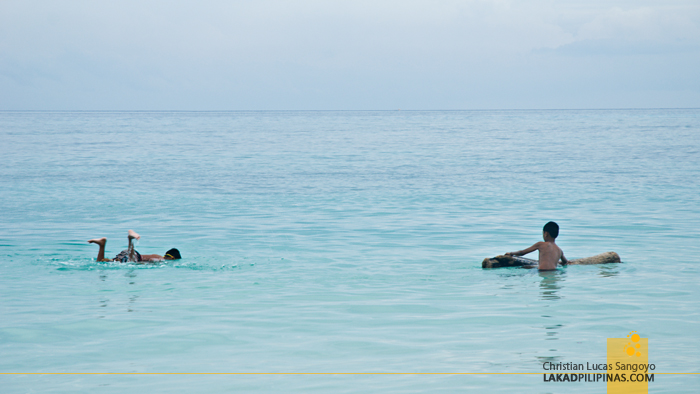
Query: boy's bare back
{"x": 550, "y": 253}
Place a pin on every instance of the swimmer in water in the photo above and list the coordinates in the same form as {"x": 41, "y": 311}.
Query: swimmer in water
{"x": 550, "y": 253}
{"x": 130, "y": 254}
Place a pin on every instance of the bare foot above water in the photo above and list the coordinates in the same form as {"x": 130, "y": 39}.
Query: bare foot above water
{"x": 133, "y": 235}
{"x": 100, "y": 241}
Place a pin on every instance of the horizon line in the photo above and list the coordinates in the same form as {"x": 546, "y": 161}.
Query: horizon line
{"x": 353, "y": 110}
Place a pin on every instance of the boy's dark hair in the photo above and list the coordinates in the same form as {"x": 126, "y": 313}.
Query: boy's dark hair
{"x": 173, "y": 253}
{"x": 552, "y": 228}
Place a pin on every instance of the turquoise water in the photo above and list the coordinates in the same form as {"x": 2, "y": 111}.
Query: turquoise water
{"x": 343, "y": 242}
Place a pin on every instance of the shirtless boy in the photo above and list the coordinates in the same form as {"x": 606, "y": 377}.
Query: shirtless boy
{"x": 130, "y": 254}
{"x": 549, "y": 251}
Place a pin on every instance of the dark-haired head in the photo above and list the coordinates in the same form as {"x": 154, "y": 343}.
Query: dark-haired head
{"x": 172, "y": 254}
{"x": 551, "y": 228}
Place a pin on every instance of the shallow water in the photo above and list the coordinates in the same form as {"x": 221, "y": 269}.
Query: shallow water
{"x": 343, "y": 242}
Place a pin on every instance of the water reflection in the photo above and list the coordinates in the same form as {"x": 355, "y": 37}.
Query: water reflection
{"x": 104, "y": 301}
{"x": 553, "y": 359}
{"x": 132, "y": 301}
{"x": 552, "y": 331}
{"x": 610, "y": 270}
{"x": 550, "y": 284}
{"x": 110, "y": 293}
{"x": 131, "y": 274}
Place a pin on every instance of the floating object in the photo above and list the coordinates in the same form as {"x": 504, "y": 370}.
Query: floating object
{"x": 517, "y": 261}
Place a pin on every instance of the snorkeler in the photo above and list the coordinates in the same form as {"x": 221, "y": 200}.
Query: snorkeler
{"x": 130, "y": 254}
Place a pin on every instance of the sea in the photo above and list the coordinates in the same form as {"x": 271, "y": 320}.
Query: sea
{"x": 340, "y": 251}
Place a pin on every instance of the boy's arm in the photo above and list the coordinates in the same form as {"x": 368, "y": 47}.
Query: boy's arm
{"x": 563, "y": 259}
{"x": 525, "y": 251}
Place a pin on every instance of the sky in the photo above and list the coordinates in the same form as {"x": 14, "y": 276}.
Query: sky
{"x": 348, "y": 55}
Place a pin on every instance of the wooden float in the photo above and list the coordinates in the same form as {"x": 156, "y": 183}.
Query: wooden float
{"x": 517, "y": 261}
